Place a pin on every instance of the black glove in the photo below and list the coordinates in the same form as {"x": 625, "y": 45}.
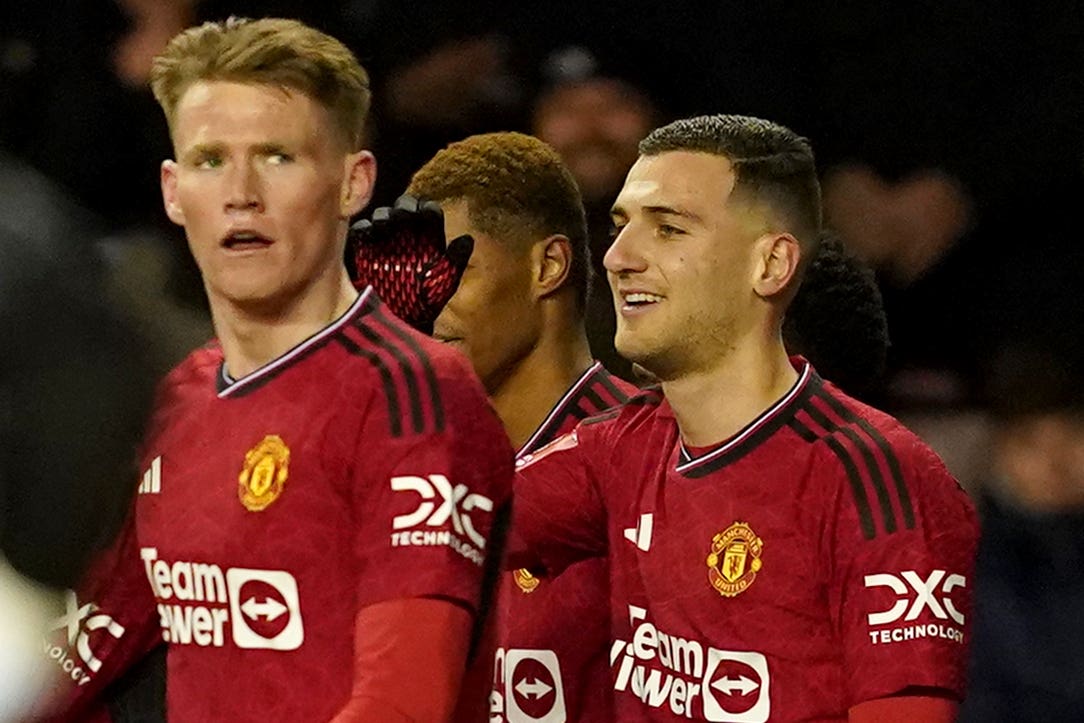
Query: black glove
{"x": 402, "y": 254}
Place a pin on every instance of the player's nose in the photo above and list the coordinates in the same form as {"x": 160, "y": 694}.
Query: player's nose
{"x": 625, "y": 254}
{"x": 242, "y": 192}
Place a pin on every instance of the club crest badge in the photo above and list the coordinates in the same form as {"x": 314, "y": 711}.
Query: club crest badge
{"x": 526, "y": 582}
{"x": 734, "y": 559}
{"x": 264, "y": 474}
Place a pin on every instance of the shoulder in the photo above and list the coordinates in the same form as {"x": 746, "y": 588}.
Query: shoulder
{"x": 198, "y": 370}
{"x": 641, "y": 405}
{"x": 890, "y": 479}
{"x": 388, "y": 343}
{"x": 423, "y": 383}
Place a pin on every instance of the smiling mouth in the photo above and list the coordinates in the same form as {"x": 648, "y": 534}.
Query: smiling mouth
{"x": 640, "y": 299}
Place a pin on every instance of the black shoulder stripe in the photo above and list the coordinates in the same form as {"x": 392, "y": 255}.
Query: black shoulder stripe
{"x": 887, "y": 515}
{"x": 820, "y": 418}
{"x": 394, "y": 415}
{"x": 609, "y": 414}
{"x": 868, "y": 459}
{"x": 861, "y": 502}
{"x": 417, "y": 415}
{"x": 650, "y": 395}
{"x": 427, "y": 368}
{"x": 595, "y": 400}
{"x": 803, "y": 431}
{"x": 619, "y": 396}
{"x": 889, "y": 454}
{"x": 894, "y": 469}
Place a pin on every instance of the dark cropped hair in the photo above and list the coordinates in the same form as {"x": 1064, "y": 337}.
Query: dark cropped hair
{"x": 772, "y": 164}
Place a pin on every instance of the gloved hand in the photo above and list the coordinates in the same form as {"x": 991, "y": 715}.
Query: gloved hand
{"x": 402, "y": 254}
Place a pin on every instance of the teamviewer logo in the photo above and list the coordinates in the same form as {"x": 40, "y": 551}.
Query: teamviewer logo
{"x": 265, "y": 609}
{"x": 533, "y": 688}
{"x": 736, "y": 687}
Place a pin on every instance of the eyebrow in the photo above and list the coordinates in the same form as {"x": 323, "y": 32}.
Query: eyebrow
{"x": 267, "y": 149}
{"x": 200, "y": 150}
{"x": 659, "y": 211}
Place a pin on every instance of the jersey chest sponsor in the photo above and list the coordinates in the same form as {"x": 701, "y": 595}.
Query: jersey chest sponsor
{"x": 690, "y": 677}
{"x": 204, "y": 605}
{"x": 527, "y": 687}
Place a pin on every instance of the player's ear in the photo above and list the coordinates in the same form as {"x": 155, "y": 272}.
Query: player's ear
{"x": 168, "y": 180}
{"x": 777, "y": 256}
{"x": 551, "y": 264}
{"x": 358, "y": 182}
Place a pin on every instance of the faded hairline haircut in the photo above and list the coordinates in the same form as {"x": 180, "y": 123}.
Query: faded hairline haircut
{"x": 517, "y": 190}
{"x": 270, "y": 51}
{"x": 772, "y": 165}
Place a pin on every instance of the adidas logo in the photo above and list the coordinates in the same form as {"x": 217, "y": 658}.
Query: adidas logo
{"x": 641, "y": 534}
{"x": 152, "y": 478}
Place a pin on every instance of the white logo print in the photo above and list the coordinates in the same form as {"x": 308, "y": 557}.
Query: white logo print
{"x": 267, "y": 608}
{"x": 151, "y": 483}
{"x": 662, "y": 669}
{"x": 915, "y": 595}
{"x": 527, "y": 688}
{"x": 641, "y": 534}
{"x": 79, "y": 622}
{"x": 441, "y": 504}
{"x": 196, "y": 601}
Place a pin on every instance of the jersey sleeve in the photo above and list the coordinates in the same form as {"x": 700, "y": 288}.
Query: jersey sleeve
{"x": 109, "y": 623}
{"x": 429, "y": 502}
{"x": 901, "y": 574}
{"x": 559, "y": 517}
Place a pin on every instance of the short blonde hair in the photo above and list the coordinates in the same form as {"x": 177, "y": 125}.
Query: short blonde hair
{"x": 272, "y": 51}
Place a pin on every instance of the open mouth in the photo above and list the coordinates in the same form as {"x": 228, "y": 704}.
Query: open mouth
{"x": 640, "y": 299}
{"x": 245, "y": 241}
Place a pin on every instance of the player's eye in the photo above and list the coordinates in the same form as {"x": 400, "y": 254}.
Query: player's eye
{"x": 615, "y": 230}
{"x": 666, "y": 230}
{"x": 208, "y": 162}
{"x": 279, "y": 159}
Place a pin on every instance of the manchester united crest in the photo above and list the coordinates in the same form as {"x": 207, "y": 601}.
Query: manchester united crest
{"x": 734, "y": 560}
{"x": 264, "y": 474}
{"x": 525, "y": 580}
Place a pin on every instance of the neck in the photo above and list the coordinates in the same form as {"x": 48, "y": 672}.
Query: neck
{"x": 251, "y": 338}
{"x": 715, "y": 403}
{"x": 527, "y": 394}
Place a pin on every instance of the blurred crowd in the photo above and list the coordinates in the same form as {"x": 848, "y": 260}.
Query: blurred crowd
{"x": 950, "y": 140}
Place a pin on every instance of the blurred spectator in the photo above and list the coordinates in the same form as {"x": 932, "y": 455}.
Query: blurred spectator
{"x": 901, "y": 229}
{"x": 1026, "y": 661}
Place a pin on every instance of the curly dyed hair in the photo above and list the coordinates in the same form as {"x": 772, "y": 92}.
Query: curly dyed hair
{"x": 837, "y": 319}
{"x": 517, "y": 190}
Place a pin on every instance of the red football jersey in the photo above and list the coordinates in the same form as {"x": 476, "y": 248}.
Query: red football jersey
{"x": 820, "y": 558}
{"x": 364, "y": 465}
{"x": 553, "y": 635}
